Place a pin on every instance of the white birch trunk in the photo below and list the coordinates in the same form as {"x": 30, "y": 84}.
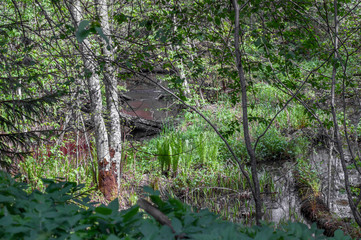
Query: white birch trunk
{"x": 111, "y": 88}
{"x": 185, "y": 86}
{"x": 104, "y": 163}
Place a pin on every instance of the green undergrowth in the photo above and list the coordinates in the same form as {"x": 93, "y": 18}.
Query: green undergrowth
{"x": 63, "y": 212}
{"x": 307, "y": 176}
{"x": 192, "y": 163}
{"x": 50, "y": 162}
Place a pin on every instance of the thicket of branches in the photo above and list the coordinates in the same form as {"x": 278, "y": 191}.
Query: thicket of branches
{"x": 71, "y": 50}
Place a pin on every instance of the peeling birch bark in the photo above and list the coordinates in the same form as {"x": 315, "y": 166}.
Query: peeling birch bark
{"x": 106, "y": 178}
{"x": 111, "y": 94}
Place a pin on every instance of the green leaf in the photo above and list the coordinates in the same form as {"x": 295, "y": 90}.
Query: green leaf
{"x": 82, "y": 32}
{"x": 114, "y": 205}
{"x": 75, "y": 237}
{"x": 339, "y": 235}
{"x": 177, "y": 225}
{"x": 113, "y": 237}
{"x": 19, "y": 229}
{"x": 7, "y": 199}
{"x": 147, "y": 228}
{"x": 258, "y": 42}
{"x": 264, "y": 233}
{"x": 151, "y": 191}
{"x": 120, "y": 18}
{"x": 74, "y": 220}
{"x": 163, "y": 39}
{"x": 81, "y": 227}
{"x": 166, "y": 233}
{"x": 99, "y": 30}
{"x": 103, "y": 210}
{"x": 6, "y": 221}
{"x": 130, "y": 213}
{"x": 217, "y": 20}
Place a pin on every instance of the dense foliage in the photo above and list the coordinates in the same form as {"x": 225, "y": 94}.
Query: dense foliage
{"x": 62, "y": 212}
{"x": 268, "y": 78}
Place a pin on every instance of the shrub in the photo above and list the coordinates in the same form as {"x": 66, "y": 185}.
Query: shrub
{"x": 63, "y": 212}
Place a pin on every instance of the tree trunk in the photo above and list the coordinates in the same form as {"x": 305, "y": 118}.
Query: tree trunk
{"x": 107, "y": 180}
{"x": 337, "y": 138}
{"x": 185, "y": 86}
{"x": 250, "y": 150}
{"x": 111, "y": 93}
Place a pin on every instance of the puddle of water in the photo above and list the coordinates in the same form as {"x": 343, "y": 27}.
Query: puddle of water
{"x": 148, "y": 102}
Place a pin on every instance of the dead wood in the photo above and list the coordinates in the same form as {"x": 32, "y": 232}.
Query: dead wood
{"x": 159, "y": 216}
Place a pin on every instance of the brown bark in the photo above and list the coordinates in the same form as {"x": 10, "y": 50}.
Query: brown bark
{"x": 159, "y": 216}
{"x": 314, "y": 209}
{"x": 154, "y": 212}
{"x": 107, "y": 181}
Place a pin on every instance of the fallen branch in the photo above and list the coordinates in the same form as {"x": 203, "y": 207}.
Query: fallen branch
{"x": 159, "y": 216}
{"x": 154, "y": 212}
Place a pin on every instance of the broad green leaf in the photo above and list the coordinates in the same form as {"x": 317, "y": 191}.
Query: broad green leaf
{"x": 147, "y": 228}
{"x": 7, "y": 199}
{"x": 177, "y": 225}
{"x": 113, "y": 237}
{"x": 130, "y": 213}
{"x": 103, "y": 210}
{"x": 82, "y": 31}
{"x": 114, "y": 205}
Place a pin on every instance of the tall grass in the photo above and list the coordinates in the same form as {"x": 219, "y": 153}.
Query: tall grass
{"x": 175, "y": 147}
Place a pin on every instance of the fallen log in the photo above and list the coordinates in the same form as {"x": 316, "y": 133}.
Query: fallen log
{"x": 139, "y": 127}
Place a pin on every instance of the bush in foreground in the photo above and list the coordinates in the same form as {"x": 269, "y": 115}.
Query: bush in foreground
{"x": 62, "y": 212}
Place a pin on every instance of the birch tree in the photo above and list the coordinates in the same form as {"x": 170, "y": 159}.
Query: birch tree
{"x": 107, "y": 178}
{"x": 110, "y": 82}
